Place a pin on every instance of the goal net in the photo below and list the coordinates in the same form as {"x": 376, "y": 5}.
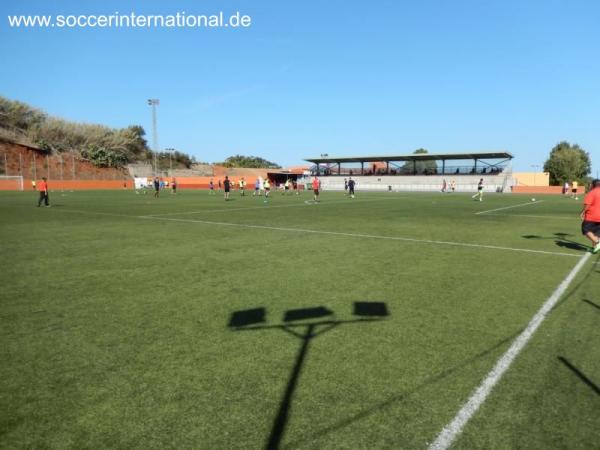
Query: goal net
{"x": 11, "y": 183}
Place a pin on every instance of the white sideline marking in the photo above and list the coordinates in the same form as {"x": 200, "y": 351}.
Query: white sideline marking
{"x": 358, "y": 235}
{"x": 446, "y": 437}
{"x": 509, "y": 207}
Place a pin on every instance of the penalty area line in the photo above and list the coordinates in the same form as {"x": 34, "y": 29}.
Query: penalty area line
{"x": 325, "y": 232}
{"x": 449, "y": 433}
{"x": 271, "y": 206}
{"x": 509, "y": 207}
{"x": 359, "y": 235}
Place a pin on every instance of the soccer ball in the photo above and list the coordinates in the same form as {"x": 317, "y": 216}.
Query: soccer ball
{"x": 533, "y": 199}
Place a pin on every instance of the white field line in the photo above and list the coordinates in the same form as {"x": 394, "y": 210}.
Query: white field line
{"x": 536, "y": 217}
{"x": 334, "y": 233}
{"x": 358, "y": 235}
{"x": 509, "y": 207}
{"x": 348, "y": 202}
{"x": 446, "y": 437}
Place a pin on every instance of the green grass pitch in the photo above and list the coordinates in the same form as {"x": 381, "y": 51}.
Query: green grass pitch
{"x": 125, "y": 321}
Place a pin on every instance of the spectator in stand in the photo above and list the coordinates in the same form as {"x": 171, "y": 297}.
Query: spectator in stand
{"x": 590, "y": 227}
{"x": 43, "y": 188}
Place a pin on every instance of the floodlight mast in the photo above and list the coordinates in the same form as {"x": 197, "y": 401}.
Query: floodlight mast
{"x": 154, "y": 102}
{"x": 170, "y": 150}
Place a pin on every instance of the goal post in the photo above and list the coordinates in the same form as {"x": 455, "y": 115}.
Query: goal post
{"x": 11, "y": 183}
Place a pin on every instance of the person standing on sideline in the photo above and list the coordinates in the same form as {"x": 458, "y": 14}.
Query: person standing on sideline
{"x": 287, "y": 186}
{"x": 211, "y": 187}
{"x": 226, "y": 186}
{"x": 479, "y": 194}
{"x": 345, "y": 187}
{"x": 351, "y": 187}
{"x": 590, "y": 216}
{"x": 33, "y": 185}
{"x": 219, "y": 185}
{"x": 174, "y": 186}
{"x": 242, "y": 187}
{"x": 566, "y": 188}
{"x": 453, "y": 185}
{"x": 267, "y": 186}
{"x": 316, "y": 185}
{"x": 444, "y": 185}
{"x": 156, "y": 187}
{"x": 43, "y": 188}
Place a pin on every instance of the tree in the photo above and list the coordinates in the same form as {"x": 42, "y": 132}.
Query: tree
{"x": 253, "y": 162}
{"x": 104, "y": 146}
{"x": 567, "y": 163}
{"x": 419, "y": 167}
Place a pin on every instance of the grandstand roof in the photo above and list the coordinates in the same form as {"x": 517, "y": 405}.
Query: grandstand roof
{"x": 412, "y": 157}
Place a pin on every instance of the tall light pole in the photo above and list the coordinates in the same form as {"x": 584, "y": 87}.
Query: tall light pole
{"x": 154, "y": 103}
{"x": 170, "y": 150}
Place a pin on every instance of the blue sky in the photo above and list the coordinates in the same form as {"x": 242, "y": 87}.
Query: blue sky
{"x": 336, "y": 77}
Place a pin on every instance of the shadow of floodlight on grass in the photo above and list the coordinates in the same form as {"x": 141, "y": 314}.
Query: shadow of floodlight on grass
{"x": 591, "y": 303}
{"x": 304, "y": 324}
{"x": 580, "y": 374}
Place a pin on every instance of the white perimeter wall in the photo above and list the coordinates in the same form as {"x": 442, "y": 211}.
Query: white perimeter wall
{"x": 464, "y": 183}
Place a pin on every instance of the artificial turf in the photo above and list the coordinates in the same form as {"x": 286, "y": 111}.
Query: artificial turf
{"x": 117, "y": 324}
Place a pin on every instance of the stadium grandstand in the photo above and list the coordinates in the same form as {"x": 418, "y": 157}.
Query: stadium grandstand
{"x": 417, "y": 171}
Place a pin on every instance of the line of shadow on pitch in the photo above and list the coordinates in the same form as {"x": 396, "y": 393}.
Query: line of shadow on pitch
{"x": 579, "y": 374}
{"x": 308, "y": 321}
{"x": 561, "y": 240}
{"x": 591, "y": 303}
{"x": 395, "y": 399}
{"x": 574, "y": 287}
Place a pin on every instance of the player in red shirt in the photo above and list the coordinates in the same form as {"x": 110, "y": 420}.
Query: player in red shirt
{"x": 43, "y": 189}
{"x": 316, "y": 184}
{"x": 591, "y": 216}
